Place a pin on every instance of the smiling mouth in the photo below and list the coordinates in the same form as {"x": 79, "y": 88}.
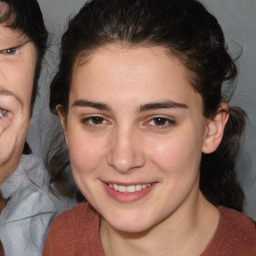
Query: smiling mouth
{"x": 128, "y": 189}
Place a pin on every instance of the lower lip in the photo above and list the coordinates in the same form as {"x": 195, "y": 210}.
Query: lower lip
{"x": 127, "y": 197}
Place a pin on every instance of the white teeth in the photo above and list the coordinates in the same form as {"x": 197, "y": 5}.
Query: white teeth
{"x": 138, "y": 187}
{"x": 122, "y": 189}
{"x": 128, "y": 189}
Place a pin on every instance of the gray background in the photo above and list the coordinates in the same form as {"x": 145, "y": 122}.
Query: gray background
{"x": 238, "y": 20}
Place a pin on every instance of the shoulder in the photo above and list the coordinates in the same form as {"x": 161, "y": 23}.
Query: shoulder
{"x": 235, "y": 235}
{"x": 63, "y": 233}
{"x": 70, "y": 217}
{"x": 29, "y": 171}
{"x": 238, "y": 224}
{"x": 24, "y": 222}
{"x": 30, "y": 208}
{"x": 28, "y": 192}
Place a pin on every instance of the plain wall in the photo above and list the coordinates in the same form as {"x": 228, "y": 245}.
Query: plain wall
{"x": 238, "y": 21}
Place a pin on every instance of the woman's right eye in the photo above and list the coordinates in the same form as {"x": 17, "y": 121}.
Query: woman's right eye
{"x": 3, "y": 113}
{"x": 94, "y": 121}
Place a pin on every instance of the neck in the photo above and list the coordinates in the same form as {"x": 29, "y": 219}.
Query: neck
{"x": 186, "y": 232}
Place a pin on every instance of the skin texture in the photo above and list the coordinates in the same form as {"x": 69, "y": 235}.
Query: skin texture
{"x": 116, "y": 133}
{"x": 17, "y": 66}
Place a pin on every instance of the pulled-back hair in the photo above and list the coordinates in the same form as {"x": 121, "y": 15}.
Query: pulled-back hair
{"x": 26, "y": 17}
{"x": 187, "y": 31}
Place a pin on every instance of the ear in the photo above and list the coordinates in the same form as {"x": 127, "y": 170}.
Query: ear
{"x": 215, "y": 129}
{"x": 62, "y": 116}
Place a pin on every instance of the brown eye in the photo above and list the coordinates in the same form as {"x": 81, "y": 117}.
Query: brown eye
{"x": 93, "y": 121}
{"x": 97, "y": 120}
{"x": 159, "y": 121}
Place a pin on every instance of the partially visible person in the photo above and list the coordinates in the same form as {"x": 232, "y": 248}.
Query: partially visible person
{"x": 27, "y": 207}
{"x": 142, "y": 92}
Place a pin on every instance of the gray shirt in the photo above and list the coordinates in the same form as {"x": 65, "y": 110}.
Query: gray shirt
{"x": 30, "y": 209}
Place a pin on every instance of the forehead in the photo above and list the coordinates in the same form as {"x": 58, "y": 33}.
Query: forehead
{"x": 133, "y": 52}
{"x": 115, "y": 71}
{"x": 7, "y": 21}
{"x": 126, "y": 55}
{"x": 9, "y": 35}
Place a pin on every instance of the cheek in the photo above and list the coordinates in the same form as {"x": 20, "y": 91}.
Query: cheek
{"x": 176, "y": 154}
{"x": 178, "y": 159}
{"x": 25, "y": 78}
{"x": 5, "y": 122}
{"x": 86, "y": 152}
{"x": 168, "y": 155}
{"x": 13, "y": 136}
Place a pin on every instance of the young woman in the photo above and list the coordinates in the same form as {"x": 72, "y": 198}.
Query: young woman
{"x": 26, "y": 207}
{"x": 151, "y": 137}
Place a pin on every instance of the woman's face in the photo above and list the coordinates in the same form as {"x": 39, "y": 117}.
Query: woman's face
{"x": 135, "y": 132}
{"x": 17, "y": 65}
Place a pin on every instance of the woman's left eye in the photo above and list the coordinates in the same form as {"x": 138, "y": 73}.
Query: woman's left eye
{"x": 161, "y": 122}
{"x": 3, "y": 113}
{"x": 10, "y": 51}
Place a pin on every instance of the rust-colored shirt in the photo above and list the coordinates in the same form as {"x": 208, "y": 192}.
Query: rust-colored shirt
{"x": 75, "y": 233}
{"x": 2, "y": 206}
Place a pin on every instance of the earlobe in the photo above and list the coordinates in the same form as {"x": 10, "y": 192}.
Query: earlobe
{"x": 215, "y": 129}
{"x": 62, "y": 116}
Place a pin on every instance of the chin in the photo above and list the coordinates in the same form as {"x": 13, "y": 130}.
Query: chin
{"x": 131, "y": 229}
{"x": 129, "y": 223}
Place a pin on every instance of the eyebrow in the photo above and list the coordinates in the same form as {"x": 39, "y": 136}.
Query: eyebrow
{"x": 97, "y": 105}
{"x": 142, "y": 108}
{"x": 162, "y": 105}
{"x": 11, "y": 94}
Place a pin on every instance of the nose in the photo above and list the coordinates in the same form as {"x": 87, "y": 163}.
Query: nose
{"x": 126, "y": 151}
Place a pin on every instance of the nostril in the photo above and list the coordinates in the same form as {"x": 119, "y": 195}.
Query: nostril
{"x": 126, "y": 162}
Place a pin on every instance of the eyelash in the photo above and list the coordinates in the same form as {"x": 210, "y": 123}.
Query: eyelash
{"x": 3, "y": 113}
{"x": 13, "y": 50}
